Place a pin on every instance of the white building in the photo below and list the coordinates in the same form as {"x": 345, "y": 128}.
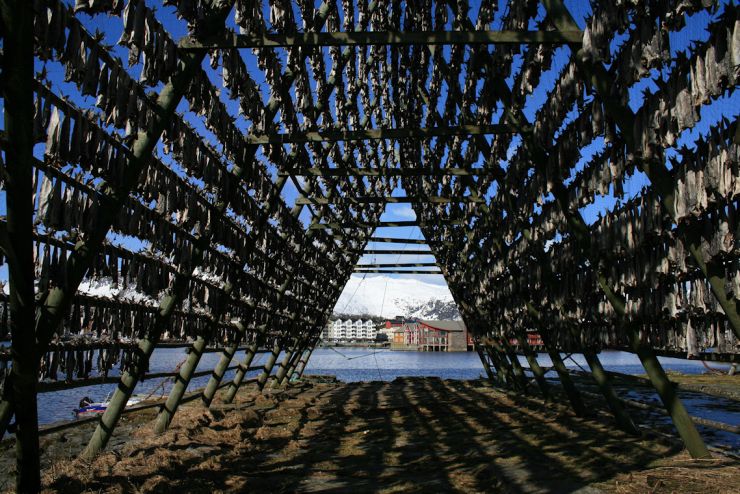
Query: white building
{"x": 350, "y": 330}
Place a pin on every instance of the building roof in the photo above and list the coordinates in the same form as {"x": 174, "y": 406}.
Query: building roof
{"x": 444, "y": 325}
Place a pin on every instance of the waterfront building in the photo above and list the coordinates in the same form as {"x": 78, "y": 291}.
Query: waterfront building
{"x": 432, "y": 336}
{"x": 350, "y": 330}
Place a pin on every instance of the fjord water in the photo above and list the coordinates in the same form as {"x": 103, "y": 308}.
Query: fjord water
{"x": 363, "y": 364}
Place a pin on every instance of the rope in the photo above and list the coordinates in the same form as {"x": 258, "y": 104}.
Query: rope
{"x": 161, "y": 384}
{"x": 351, "y": 358}
{"x": 574, "y": 361}
{"x": 377, "y": 366}
{"x": 712, "y": 370}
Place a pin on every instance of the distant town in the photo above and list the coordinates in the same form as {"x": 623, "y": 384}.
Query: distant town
{"x": 403, "y": 334}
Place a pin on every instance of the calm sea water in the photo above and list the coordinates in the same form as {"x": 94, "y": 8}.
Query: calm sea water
{"x": 361, "y": 364}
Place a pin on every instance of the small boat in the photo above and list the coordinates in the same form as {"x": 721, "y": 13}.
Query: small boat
{"x": 88, "y": 408}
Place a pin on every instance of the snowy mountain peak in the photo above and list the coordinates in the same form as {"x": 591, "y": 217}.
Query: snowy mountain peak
{"x": 390, "y": 297}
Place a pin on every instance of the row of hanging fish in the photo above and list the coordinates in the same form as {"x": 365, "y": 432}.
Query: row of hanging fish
{"x": 148, "y": 271}
{"x": 85, "y": 362}
{"x": 158, "y": 180}
{"x": 708, "y": 175}
{"x": 109, "y": 97}
{"x": 709, "y": 71}
{"x": 687, "y": 301}
{"x": 164, "y": 201}
{"x": 586, "y": 195}
{"x": 114, "y": 86}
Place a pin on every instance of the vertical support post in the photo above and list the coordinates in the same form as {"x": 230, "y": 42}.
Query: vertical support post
{"x": 244, "y": 366}
{"x": 195, "y": 353}
{"x": 269, "y": 364}
{"x": 6, "y": 413}
{"x": 126, "y": 385}
{"x": 17, "y": 92}
{"x": 667, "y": 392}
{"x": 519, "y": 377}
{"x": 59, "y": 298}
{"x": 291, "y": 366}
{"x": 509, "y": 360}
{"x": 534, "y": 366}
{"x": 295, "y": 359}
{"x": 168, "y": 410}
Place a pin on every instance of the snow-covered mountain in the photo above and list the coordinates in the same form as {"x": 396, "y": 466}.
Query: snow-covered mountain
{"x": 390, "y": 297}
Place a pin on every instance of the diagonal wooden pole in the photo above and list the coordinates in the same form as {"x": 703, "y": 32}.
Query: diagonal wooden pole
{"x": 59, "y": 299}
{"x": 660, "y": 177}
{"x": 244, "y": 365}
{"x": 209, "y": 392}
{"x": 188, "y": 368}
{"x": 534, "y": 366}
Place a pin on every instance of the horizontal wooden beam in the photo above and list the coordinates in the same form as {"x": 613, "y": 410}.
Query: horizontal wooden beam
{"x": 388, "y": 172}
{"x": 391, "y": 240}
{"x": 394, "y": 252}
{"x": 392, "y": 38}
{"x": 380, "y": 224}
{"x": 375, "y": 134}
{"x": 302, "y": 201}
{"x": 399, "y": 265}
{"x": 396, "y": 271}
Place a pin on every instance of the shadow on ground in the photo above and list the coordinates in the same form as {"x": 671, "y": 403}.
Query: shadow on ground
{"x": 409, "y": 435}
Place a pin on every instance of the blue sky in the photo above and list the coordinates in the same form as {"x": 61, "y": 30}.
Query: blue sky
{"x": 695, "y": 31}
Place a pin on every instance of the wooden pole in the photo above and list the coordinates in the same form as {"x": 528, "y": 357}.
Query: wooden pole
{"x": 297, "y": 356}
{"x": 503, "y": 367}
{"x": 484, "y": 361}
{"x": 142, "y": 149}
{"x": 624, "y": 421}
{"x": 571, "y": 391}
{"x": 519, "y": 376}
{"x": 6, "y": 412}
{"x": 218, "y": 372}
{"x": 269, "y": 364}
{"x": 241, "y": 371}
{"x": 188, "y": 368}
{"x": 304, "y": 361}
{"x": 168, "y": 410}
{"x": 663, "y": 183}
{"x": 283, "y": 367}
{"x": 534, "y": 366}
{"x": 146, "y": 346}
{"x": 385, "y": 38}
{"x": 17, "y": 92}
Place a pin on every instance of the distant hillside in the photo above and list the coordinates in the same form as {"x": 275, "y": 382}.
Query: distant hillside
{"x": 385, "y": 297}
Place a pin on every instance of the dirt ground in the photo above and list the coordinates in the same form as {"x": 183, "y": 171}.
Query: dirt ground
{"x": 409, "y": 435}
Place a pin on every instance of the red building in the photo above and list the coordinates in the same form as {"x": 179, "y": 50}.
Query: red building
{"x": 533, "y": 340}
{"x": 432, "y": 336}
